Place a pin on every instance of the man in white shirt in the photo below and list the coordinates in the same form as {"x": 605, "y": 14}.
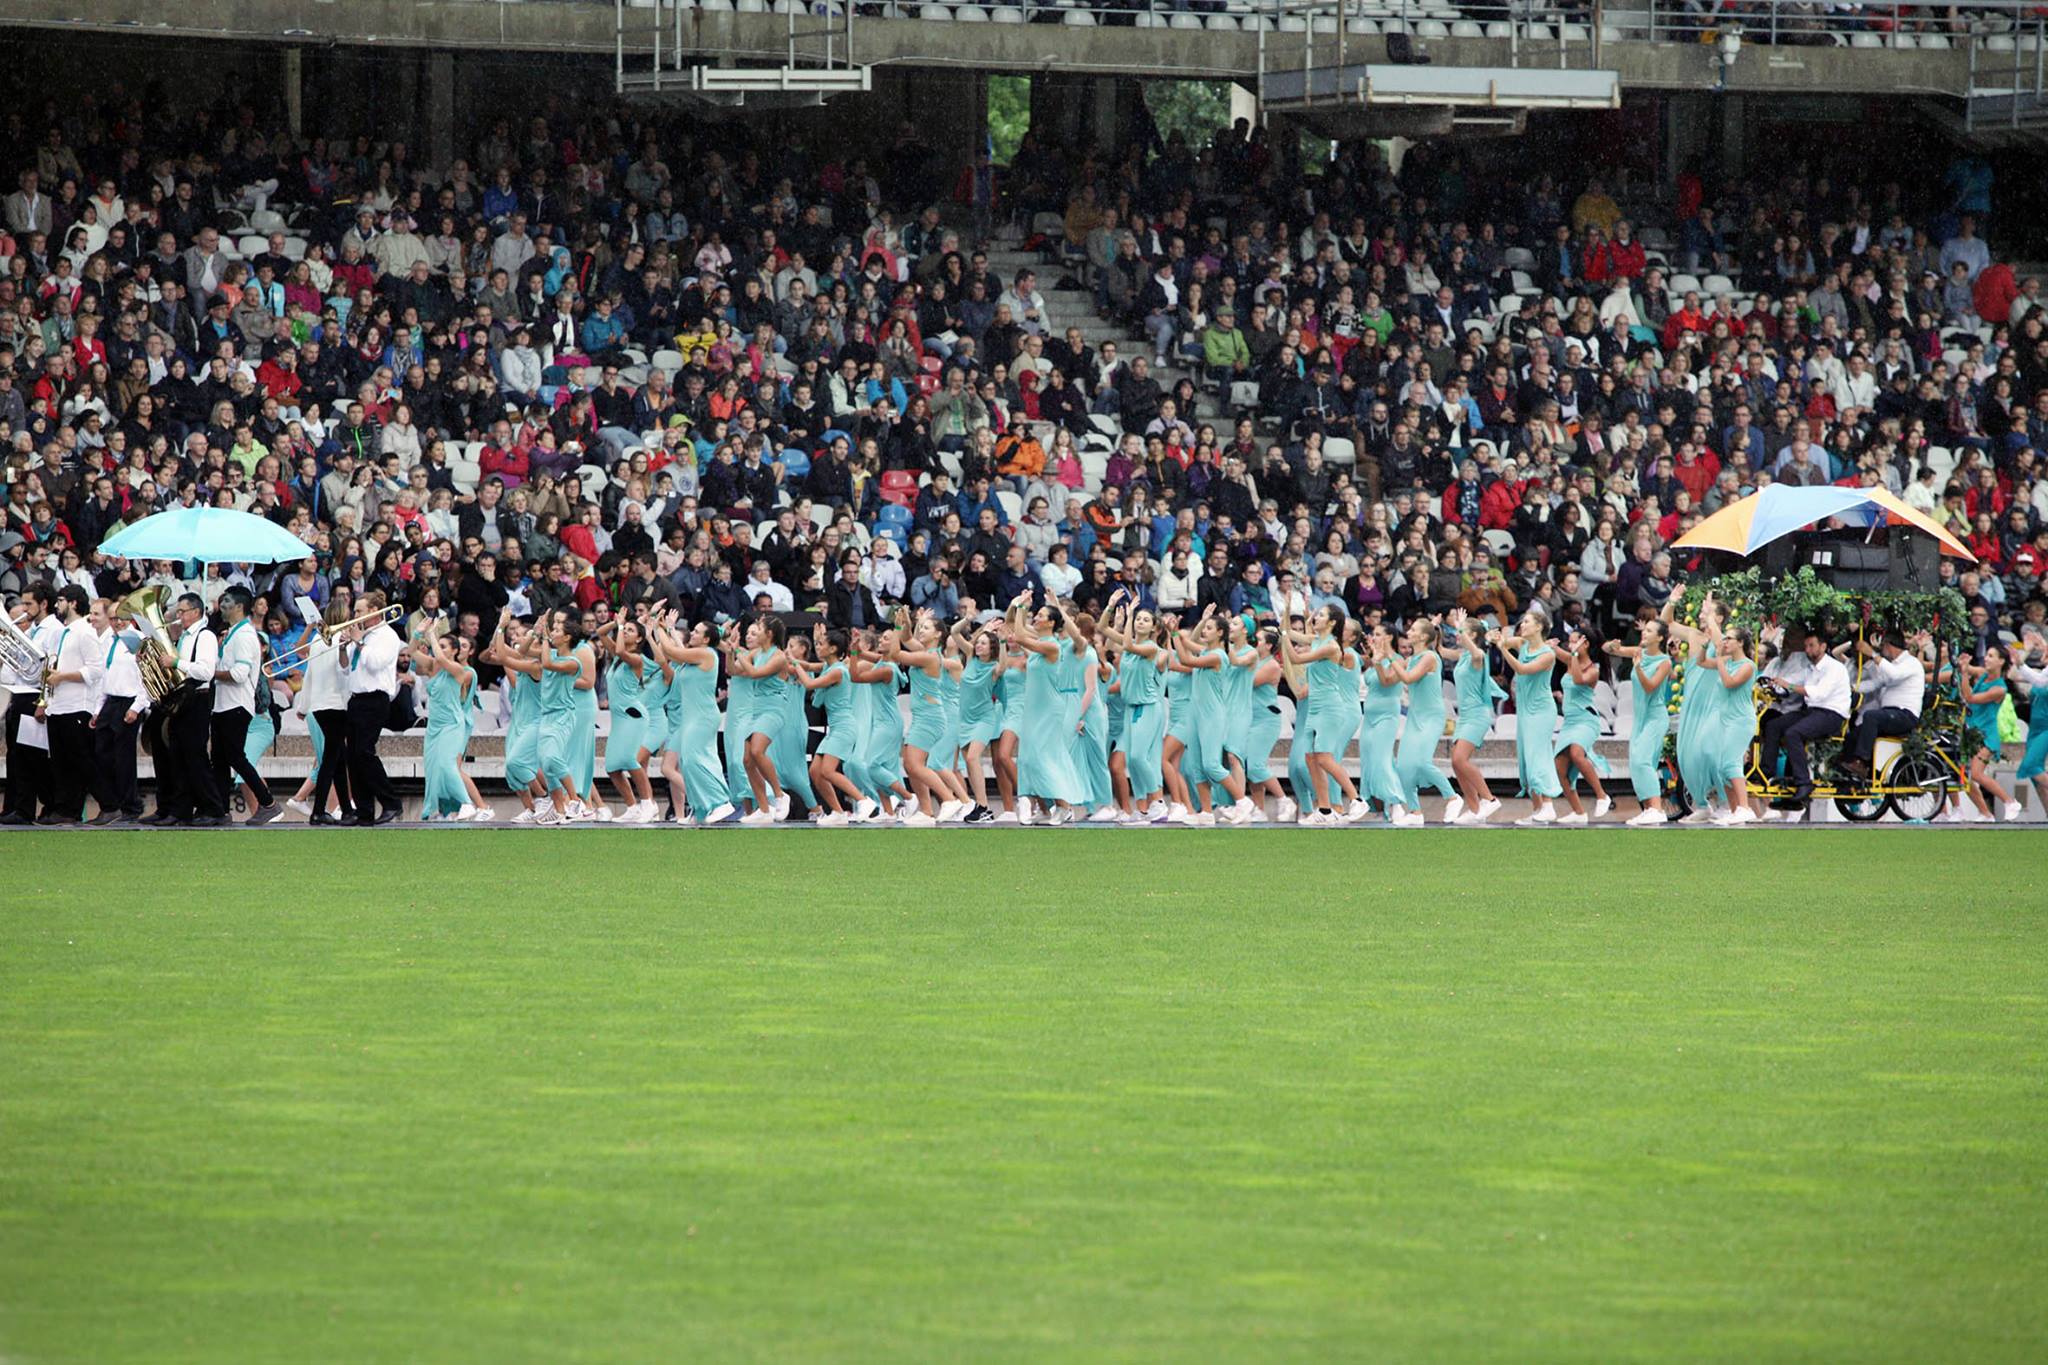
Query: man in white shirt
{"x": 121, "y": 703}
{"x": 372, "y": 683}
{"x": 238, "y": 684}
{"x": 185, "y": 790}
{"x": 323, "y": 700}
{"x": 28, "y": 767}
{"x": 1815, "y": 706}
{"x": 69, "y": 710}
{"x": 1896, "y": 685}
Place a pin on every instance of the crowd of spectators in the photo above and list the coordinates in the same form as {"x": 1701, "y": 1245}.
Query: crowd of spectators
{"x": 596, "y": 360}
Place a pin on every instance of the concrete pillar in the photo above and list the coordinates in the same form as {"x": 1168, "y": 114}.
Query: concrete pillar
{"x": 294, "y": 90}
{"x": 438, "y": 143}
{"x": 1733, "y": 111}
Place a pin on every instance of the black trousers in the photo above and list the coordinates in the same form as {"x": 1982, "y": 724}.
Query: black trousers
{"x": 28, "y": 770}
{"x": 1794, "y": 730}
{"x": 370, "y": 784}
{"x": 334, "y": 753}
{"x": 230, "y": 754}
{"x": 191, "y": 790}
{"x": 113, "y": 755}
{"x": 1875, "y": 721}
{"x": 70, "y": 763}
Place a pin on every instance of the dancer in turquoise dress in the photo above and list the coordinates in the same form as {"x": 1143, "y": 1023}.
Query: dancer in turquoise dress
{"x": 1532, "y": 660}
{"x": 632, "y": 682}
{"x": 793, "y": 730}
{"x": 879, "y": 770}
{"x": 762, "y": 663}
{"x": 1478, "y": 694}
{"x": 1698, "y": 707}
{"x": 2030, "y": 670}
{"x": 1045, "y": 754}
{"x": 696, "y": 777}
{"x": 981, "y": 718}
{"x": 1651, "y": 681}
{"x": 1735, "y": 725}
{"x": 1090, "y": 735}
{"x": 1422, "y": 673}
{"x": 1330, "y": 673}
{"x": 1179, "y": 741}
{"x": 565, "y": 662}
{"x": 1576, "y": 755}
{"x": 516, "y": 648}
{"x": 1143, "y": 689}
{"x": 1379, "y": 731}
{"x": 1201, "y": 651}
{"x": 449, "y": 686}
{"x": 830, "y": 681}
{"x": 1982, "y": 688}
{"x": 1010, "y": 732}
{"x": 940, "y": 793}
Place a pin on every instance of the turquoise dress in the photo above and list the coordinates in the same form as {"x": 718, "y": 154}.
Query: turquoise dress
{"x": 947, "y": 755}
{"x": 583, "y": 723}
{"x": 1983, "y": 718}
{"x": 791, "y": 737}
{"x": 1212, "y": 720}
{"x": 447, "y": 739}
{"x": 981, "y": 719}
{"x": 927, "y": 714}
{"x": 1010, "y": 697}
{"x": 262, "y": 734}
{"x": 2034, "y": 761}
{"x": 1736, "y": 729}
{"x": 1045, "y": 751}
{"x": 628, "y": 693}
{"x": 1535, "y": 718}
{"x": 1091, "y": 739}
{"x": 695, "y": 740}
{"x": 881, "y": 749}
{"x": 1264, "y": 730}
{"x": 1581, "y": 725}
{"x": 1144, "y": 694}
{"x": 1237, "y": 704}
{"x": 663, "y": 717}
{"x": 522, "y": 731}
{"x": 1379, "y": 730}
{"x": 842, "y": 714}
{"x": 1698, "y": 716}
{"x": 1334, "y": 709}
{"x": 740, "y": 696}
{"x": 557, "y": 721}
{"x": 1415, "y": 757}
{"x": 1478, "y": 694}
{"x": 1646, "y": 733}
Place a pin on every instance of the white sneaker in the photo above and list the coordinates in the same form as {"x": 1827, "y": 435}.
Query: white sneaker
{"x": 1284, "y": 810}
{"x": 724, "y": 812}
{"x": 576, "y": 811}
{"x": 1702, "y": 815}
{"x": 1468, "y": 817}
{"x": 1727, "y": 820}
{"x": 1244, "y": 806}
{"x": 1397, "y": 815}
{"x": 1979, "y": 817}
{"x": 1158, "y": 810}
{"x": 1358, "y": 810}
{"x": 782, "y": 806}
{"x": 1577, "y": 817}
{"x": 1207, "y": 819}
{"x": 834, "y": 820}
{"x": 526, "y": 817}
{"x": 484, "y": 815}
{"x": 950, "y": 811}
{"x": 1648, "y": 819}
{"x": 919, "y": 820}
{"x": 1178, "y": 813}
{"x": 1602, "y": 806}
{"x": 603, "y": 815}
{"x": 1136, "y": 817}
{"x": 1259, "y": 816}
{"x": 1454, "y": 808}
{"x": 865, "y": 810}
{"x": 1488, "y": 808}
{"x": 759, "y": 817}
{"x": 304, "y": 808}
{"x": 2010, "y": 812}
{"x": 548, "y": 815}
{"x": 1546, "y": 816}
{"x": 1006, "y": 817}
{"x": 1105, "y": 816}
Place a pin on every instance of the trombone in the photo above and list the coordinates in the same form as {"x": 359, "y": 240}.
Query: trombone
{"x": 298, "y": 655}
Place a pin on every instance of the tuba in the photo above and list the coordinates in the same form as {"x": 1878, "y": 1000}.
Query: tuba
{"x": 168, "y": 689}
{"x": 20, "y": 653}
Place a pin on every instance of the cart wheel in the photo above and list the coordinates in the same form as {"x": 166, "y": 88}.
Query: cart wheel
{"x": 1860, "y": 809}
{"x": 1933, "y": 780}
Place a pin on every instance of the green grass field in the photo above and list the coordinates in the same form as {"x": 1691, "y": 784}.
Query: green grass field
{"x": 613, "y": 1095}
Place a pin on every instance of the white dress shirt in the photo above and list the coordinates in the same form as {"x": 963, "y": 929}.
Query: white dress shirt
{"x": 120, "y": 675}
{"x": 1827, "y": 686}
{"x": 198, "y": 655}
{"x": 327, "y": 680}
{"x": 241, "y": 657}
{"x": 373, "y": 664}
{"x": 76, "y": 648}
{"x": 1900, "y": 683}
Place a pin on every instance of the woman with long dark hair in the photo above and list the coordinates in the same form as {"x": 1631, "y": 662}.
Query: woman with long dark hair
{"x": 763, "y": 665}
{"x": 1651, "y": 679}
{"x": 630, "y": 681}
{"x": 1421, "y": 672}
{"x": 1045, "y": 755}
{"x": 1531, "y": 659}
{"x": 1330, "y": 667}
{"x": 1379, "y": 729}
{"x": 696, "y": 779}
{"x": 830, "y": 680}
{"x": 1576, "y": 756}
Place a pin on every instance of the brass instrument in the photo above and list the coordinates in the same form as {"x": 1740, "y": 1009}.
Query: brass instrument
{"x": 297, "y": 656}
{"x": 156, "y": 657}
{"x": 24, "y": 656}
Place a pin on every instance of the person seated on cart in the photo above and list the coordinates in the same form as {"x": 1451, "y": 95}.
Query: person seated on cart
{"x": 1812, "y": 690}
{"x": 1895, "y": 689}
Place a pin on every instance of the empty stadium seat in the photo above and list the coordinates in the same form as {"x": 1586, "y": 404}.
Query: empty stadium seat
{"x": 1011, "y": 503}
{"x": 899, "y": 486}
{"x": 1339, "y": 451}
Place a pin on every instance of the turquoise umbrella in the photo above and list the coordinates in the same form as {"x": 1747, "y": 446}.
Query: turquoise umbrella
{"x": 211, "y": 535}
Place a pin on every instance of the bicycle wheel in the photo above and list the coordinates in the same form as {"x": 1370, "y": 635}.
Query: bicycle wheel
{"x": 1932, "y": 781}
{"x": 1860, "y": 809}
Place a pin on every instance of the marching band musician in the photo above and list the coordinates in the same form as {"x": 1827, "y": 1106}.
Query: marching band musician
{"x": 69, "y": 710}
{"x": 117, "y": 722}
{"x": 185, "y": 790}
{"x": 323, "y": 700}
{"x": 28, "y": 766}
{"x": 372, "y": 684}
{"x": 235, "y": 680}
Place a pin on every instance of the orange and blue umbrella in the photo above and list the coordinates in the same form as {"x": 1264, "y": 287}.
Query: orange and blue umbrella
{"x": 1746, "y": 526}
